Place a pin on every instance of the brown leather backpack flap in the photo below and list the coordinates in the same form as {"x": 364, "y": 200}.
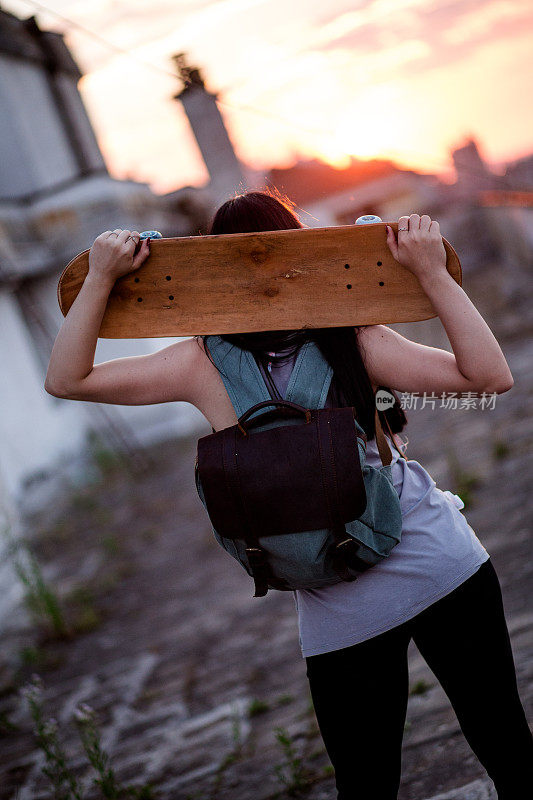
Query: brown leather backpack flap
{"x": 289, "y": 478}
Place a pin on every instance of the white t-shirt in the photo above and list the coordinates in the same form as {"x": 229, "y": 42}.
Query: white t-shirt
{"x": 437, "y": 552}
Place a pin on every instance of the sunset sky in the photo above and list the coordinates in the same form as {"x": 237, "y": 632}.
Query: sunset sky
{"x": 406, "y": 79}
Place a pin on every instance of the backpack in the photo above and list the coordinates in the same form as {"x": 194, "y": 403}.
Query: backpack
{"x": 345, "y": 514}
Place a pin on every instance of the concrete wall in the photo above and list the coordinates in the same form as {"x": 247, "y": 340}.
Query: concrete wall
{"x": 34, "y": 149}
{"x": 33, "y": 425}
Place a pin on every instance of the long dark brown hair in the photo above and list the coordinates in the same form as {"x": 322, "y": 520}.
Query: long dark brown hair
{"x": 270, "y": 211}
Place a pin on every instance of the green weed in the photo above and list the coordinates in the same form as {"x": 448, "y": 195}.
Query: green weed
{"x": 85, "y": 617}
{"x": 64, "y": 783}
{"x": 6, "y": 726}
{"x": 420, "y": 687}
{"x": 285, "y": 699}
{"x": 38, "y": 658}
{"x": 40, "y": 599}
{"x": 90, "y": 738}
{"x": 291, "y": 773}
{"x": 500, "y": 449}
{"x": 230, "y": 758}
{"x": 258, "y": 707}
{"x": 464, "y": 481}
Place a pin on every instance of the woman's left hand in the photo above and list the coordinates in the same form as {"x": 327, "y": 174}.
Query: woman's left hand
{"x": 419, "y": 247}
{"x": 112, "y": 254}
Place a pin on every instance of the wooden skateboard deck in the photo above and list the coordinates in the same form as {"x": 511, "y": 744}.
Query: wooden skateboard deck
{"x": 244, "y": 282}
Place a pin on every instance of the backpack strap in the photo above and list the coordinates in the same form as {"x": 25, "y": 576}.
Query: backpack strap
{"x": 241, "y": 376}
{"x": 311, "y": 377}
{"x": 393, "y": 440}
{"x": 385, "y": 453}
{"x": 308, "y": 385}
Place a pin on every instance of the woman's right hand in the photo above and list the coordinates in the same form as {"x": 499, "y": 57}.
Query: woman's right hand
{"x": 419, "y": 248}
{"x": 112, "y": 254}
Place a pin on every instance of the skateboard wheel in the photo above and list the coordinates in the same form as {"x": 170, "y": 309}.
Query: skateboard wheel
{"x": 367, "y": 219}
{"x": 151, "y": 235}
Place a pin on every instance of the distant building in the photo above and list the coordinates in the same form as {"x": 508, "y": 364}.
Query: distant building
{"x": 519, "y": 174}
{"x": 509, "y": 217}
{"x": 473, "y": 174}
{"x": 327, "y": 196}
{"x": 227, "y": 175}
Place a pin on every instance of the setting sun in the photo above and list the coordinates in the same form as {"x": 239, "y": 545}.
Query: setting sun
{"x": 364, "y": 129}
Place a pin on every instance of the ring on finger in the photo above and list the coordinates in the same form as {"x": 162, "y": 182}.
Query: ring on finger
{"x": 113, "y": 234}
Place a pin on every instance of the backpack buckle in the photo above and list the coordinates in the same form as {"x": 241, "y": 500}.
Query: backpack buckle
{"x": 256, "y": 556}
{"x": 350, "y": 557}
{"x": 349, "y": 540}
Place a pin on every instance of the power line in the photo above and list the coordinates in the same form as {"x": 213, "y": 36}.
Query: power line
{"x": 96, "y": 36}
{"x": 439, "y": 162}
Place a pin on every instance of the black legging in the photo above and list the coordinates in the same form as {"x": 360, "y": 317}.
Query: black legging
{"x": 360, "y": 693}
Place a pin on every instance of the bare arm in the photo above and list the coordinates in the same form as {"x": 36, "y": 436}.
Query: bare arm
{"x": 477, "y": 363}
{"x": 156, "y": 378}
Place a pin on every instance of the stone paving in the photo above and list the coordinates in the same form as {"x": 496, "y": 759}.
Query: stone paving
{"x": 191, "y": 676}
